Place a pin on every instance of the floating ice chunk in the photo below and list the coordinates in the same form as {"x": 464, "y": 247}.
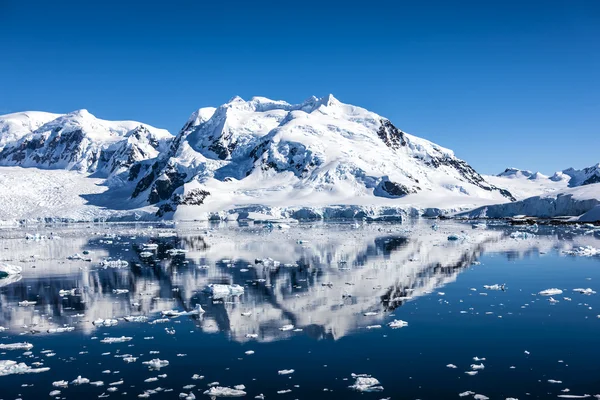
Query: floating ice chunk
{"x": 249, "y": 352}
{"x": 587, "y": 291}
{"x": 8, "y": 367}
{"x": 451, "y": 366}
{"x": 130, "y": 359}
{"x": 252, "y": 335}
{"x": 480, "y": 397}
{"x": 365, "y": 383}
{"x": 54, "y": 393}
{"x": 156, "y": 363}
{"x": 284, "y": 391}
{"x": 285, "y": 371}
{"x": 112, "y": 340}
{"x": 16, "y": 346}
{"x": 495, "y": 287}
{"x": 26, "y": 303}
{"x": 397, "y": 323}
{"x": 373, "y": 326}
{"x": 575, "y": 396}
{"x": 97, "y": 383}
{"x": 288, "y": 327}
{"x": 550, "y": 292}
{"x": 370, "y": 313}
{"x": 465, "y": 394}
{"x": 219, "y": 391}
{"x": 554, "y": 381}
{"x": 120, "y": 291}
{"x": 80, "y": 381}
{"x": 472, "y": 373}
{"x": 60, "y": 384}
{"x": 477, "y": 366}
{"x": 219, "y": 290}
{"x": 146, "y": 254}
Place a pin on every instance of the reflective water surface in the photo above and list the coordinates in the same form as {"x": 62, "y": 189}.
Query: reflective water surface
{"x": 317, "y": 299}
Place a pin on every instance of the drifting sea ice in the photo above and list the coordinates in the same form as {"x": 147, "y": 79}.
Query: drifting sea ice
{"x": 156, "y": 363}
{"x": 550, "y": 292}
{"x": 8, "y": 367}
{"x": 397, "y": 323}
{"x": 16, "y": 346}
{"x": 219, "y": 391}
{"x": 111, "y": 340}
{"x": 365, "y": 383}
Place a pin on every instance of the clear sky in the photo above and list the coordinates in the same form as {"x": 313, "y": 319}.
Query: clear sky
{"x": 503, "y": 83}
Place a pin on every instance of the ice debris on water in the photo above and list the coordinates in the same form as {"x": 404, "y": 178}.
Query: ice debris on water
{"x": 219, "y": 391}
{"x": 80, "y": 381}
{"x": 285, "y": 371}
{"x": 365, "y": 383}
{"x": 397, "y": 323}
{"x": 495, "y": 287}
{"x": 587, "y": 291}
{"x": 105, "y": 322}
{"x": 16, "y": 346}
{"x": 550, "y": 292}
{"x": 112, "y": 340}
{"x": 9, "y": 367}
{"x": 156, "y": 363}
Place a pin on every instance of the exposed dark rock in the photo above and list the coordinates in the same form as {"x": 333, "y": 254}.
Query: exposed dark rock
{"x": 164, "y": 187}
{"x": 591, "y": 179}
{"x": 391, "y": 136}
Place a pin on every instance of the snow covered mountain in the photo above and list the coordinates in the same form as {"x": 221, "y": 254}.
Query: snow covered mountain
{"x": 318, "y": 159}
{"x": 76, "y": 141}
{"x": 304, "y": 157}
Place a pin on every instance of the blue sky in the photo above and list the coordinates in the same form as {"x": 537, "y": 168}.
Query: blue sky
{"x": 503, "y": 83}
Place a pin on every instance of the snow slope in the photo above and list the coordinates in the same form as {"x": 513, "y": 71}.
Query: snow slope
{"x": 34, "y": 194}
{"x": 523, "y": 184}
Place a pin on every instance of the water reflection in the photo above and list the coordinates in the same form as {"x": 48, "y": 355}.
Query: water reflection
{"x": 320, "y": 278}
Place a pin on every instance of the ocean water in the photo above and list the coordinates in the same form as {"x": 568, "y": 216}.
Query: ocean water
{"x": 338, "y": 284}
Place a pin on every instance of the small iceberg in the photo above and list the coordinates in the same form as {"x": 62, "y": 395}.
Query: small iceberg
{"x": 365, "y": 383}
{"x": 397, "y": 323}
{"x": 8, "y": 367}
{"x": 218, "y": 391}
{"x": 550, "y": 292}
{"x": 219, "y": 290}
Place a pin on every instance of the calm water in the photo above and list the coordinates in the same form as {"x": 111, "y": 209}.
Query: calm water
{"x": 329, "y": 276}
